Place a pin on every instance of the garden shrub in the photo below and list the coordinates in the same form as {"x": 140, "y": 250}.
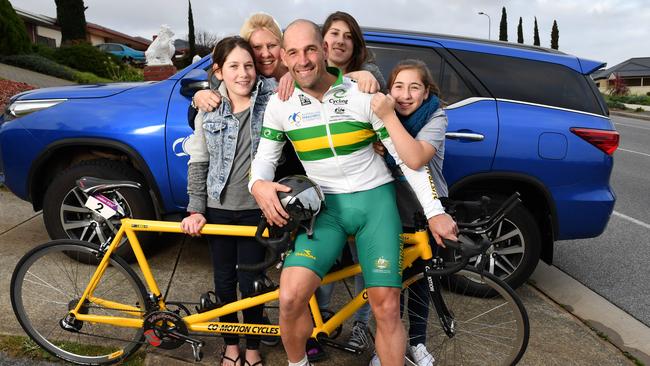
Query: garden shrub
{"x": 43, "y": 50}
{"x": 85, "y": 57}
{"x": 39, "y": 64}
{"x": 14, "y": 39}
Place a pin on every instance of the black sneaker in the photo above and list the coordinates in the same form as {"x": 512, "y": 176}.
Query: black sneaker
{"x": 315, "y": 351}
{"x": 269, "y": 340}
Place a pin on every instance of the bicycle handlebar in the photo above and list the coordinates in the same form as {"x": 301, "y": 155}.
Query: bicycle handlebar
{"x": 468, "y": 248}
{"x": 274, "y": 248}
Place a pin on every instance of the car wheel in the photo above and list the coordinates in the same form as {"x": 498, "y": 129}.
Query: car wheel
{"x": 66, "y": 216}
{"x": 516, "y": 247}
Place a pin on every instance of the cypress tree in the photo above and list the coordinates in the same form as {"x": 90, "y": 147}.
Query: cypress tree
{"x": 70, "y": 15}
{"x": 555, "y": 36}
{"x": 191, "y": 36}
{"x": 520, "y": 32}
{"x": 536, "y": 35}
{"x": 14, "y": 38}
{"x": 503, "y": 26}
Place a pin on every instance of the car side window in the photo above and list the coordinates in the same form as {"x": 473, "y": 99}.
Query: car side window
{"x": 531, "y": 81}
{"x": 452, "y": 87}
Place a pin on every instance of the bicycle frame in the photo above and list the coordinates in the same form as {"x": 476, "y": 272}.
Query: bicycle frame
{"x": 202, "y": 322}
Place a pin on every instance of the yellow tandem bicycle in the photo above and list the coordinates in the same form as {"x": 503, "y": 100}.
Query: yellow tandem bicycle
{"x": 113, "y": 308}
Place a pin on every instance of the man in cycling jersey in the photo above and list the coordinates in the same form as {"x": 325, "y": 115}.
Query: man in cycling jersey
{"x": 331, "y": 126}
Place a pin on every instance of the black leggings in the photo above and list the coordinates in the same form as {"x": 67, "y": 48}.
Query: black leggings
{"x": 227, "y": 252}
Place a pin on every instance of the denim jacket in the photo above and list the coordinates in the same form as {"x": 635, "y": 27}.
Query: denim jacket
{"x": 212, "y": 147}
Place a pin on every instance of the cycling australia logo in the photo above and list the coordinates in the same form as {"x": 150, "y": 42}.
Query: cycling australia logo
{"x": 178, "y": 147}
{"x": 338, "y": 98}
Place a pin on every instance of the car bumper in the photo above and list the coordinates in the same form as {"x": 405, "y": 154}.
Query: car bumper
{"x": 584, "y": 215}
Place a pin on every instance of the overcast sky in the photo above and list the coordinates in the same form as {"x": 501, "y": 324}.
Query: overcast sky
{"x": 605, "y": 30}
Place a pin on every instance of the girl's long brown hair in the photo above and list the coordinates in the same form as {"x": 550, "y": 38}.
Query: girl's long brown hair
{"x": 360, "y": 52}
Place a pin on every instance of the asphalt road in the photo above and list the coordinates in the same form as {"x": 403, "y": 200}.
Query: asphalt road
{"x": 616, "y": 264}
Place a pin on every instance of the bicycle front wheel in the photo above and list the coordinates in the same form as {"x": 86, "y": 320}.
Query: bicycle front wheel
{"x": 486, "y": 328}
{"x": 50, "y": 280}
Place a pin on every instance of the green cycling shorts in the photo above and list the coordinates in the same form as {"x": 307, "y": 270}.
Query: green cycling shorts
{"x": 372, "y": 218}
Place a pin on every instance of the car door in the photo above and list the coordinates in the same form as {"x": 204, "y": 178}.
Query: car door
{"x": 472, "y": 133}
{"x": 178, "y": 132}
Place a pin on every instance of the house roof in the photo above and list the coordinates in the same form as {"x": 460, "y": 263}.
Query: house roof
{"x": 92, "y": 28}
{"x": 634, "y": 67}
{"x": 36, "y": 18}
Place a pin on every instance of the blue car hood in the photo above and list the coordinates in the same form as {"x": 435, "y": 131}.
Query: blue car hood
{"x": 79, "y": 91}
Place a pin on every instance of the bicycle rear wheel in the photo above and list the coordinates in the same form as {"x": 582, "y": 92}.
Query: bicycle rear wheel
{"x": 49, "y": 281}
{"x": 483, "y": 329}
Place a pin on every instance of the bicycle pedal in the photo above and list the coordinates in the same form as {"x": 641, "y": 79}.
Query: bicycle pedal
{"x": 341, "y": 346}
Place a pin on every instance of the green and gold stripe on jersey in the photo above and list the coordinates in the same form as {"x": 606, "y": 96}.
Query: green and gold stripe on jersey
{"x": 313, "y": 143}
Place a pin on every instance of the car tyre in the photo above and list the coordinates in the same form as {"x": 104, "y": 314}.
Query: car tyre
{"x": 65, "y": 215}
{"x": 516, "y": 247}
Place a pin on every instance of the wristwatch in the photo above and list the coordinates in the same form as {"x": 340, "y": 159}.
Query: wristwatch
{"x": 193, "y": 104}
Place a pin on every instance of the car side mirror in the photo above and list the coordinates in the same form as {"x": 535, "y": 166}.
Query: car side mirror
{"x": 194, "y": 81}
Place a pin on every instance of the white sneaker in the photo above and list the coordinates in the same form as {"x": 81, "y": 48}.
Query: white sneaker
{"x": 374, "y": 361}
{"x": 359, "y": 336}
{"x": 421, "y": 355}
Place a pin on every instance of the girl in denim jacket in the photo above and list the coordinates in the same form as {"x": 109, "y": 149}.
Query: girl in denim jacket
{"x": 221, "y": 151}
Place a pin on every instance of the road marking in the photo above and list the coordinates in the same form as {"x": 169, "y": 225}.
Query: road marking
{"x": 623, "y": 124}
{"x": 632, "y": 151}
{"x": 631, "y": 219}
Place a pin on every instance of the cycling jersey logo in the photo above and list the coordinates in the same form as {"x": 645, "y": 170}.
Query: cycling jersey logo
{"x": 338, "y": 101}
{"x": 382, "y": 265}
{"x": 304, "y": 100}
{"x": 339, "y": 110}
{"x": 339, "y": 94}
{"x": 295, "y": 119}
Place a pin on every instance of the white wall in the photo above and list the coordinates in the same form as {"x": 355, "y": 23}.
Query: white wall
{"x": 49, "y": 33}
{"x": 94, "y": 40}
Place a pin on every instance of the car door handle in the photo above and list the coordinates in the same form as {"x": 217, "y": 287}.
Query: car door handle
{"x": 464, "y": 136}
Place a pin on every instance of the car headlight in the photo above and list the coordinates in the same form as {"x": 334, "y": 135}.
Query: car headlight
{"x": 21, "y": 108}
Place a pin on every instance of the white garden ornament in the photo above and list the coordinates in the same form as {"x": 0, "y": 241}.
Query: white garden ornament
{"x": 161, "y": 50}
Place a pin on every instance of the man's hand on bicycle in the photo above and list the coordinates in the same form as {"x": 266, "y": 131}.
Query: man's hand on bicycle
{"x": 193, "y": 224}
{"x": 266, "y": 196}
{"x": 443, "y": 226}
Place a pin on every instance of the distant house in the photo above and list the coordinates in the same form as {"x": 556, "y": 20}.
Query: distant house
{"x": 635, "y": 72}
{"x": 44, "y": 30}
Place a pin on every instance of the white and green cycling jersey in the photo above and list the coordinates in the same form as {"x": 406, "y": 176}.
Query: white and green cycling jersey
{"x": 333, "y": 140}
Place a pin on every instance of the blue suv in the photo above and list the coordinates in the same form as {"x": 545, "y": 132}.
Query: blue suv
{"x": 521, "y": 118}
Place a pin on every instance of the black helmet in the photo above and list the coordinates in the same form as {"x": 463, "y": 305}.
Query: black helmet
{"x": 302, "y": 203}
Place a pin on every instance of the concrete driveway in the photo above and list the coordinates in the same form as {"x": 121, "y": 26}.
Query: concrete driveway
{"x": 557, "y": 337}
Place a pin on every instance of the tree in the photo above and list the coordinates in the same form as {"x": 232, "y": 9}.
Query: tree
{"x": 205, "y": 42}
{"x": 503, "y": 26}
{"x": 520, "y": 32}
{"x": 617, "y": 86}
{"x": 70, "y": 15}
{"x": 14, "y": 38}
{"x": 191, "y": 37}
{"x": 555, "y": 36}
{"x": 536, "y": 35}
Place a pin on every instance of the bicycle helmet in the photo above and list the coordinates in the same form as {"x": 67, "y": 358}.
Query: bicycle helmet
{"x": 302, "y": 203}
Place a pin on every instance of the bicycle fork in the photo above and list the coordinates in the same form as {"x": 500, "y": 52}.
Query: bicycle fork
{"x": 445, "y": 317}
